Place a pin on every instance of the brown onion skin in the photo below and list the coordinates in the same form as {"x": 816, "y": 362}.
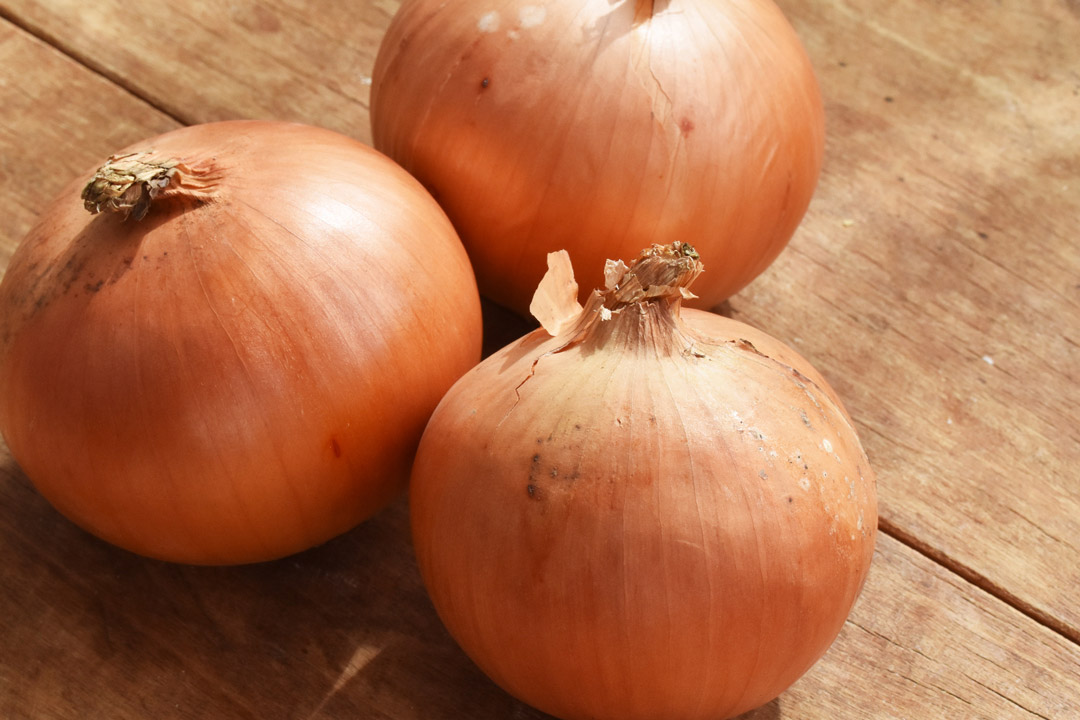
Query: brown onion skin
{"x": 237, "y": 379}
{"x": 628, "y": 529}
{"x": 601, "y": 127}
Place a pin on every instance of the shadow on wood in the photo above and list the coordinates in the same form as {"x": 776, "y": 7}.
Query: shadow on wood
{"x": 343, "y": 629}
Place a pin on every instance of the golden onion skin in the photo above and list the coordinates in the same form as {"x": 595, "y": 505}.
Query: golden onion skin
{"x": 601, "y": 127}
{"x": 245, "y": 372}
{"x": 660, "y": 519}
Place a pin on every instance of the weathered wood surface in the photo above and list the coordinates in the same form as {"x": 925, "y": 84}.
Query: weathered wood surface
{"x": 346, "y": 631}
{"x": 294, "y": 60}
{"x": 935, "y": 281}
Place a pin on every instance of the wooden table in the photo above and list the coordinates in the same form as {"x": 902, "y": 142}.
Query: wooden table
{"x": 935, "y": 281}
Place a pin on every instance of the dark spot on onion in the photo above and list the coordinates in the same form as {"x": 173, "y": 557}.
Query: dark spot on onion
{"x": 484, "y": 83}
{"x": 335, "y": 446}
{"x": 686, "y": 125}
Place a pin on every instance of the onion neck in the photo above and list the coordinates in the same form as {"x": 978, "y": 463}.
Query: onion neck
{"x": 129, "y": 184}
{"x": 640, "y": 307}
{"x": 644, "y": 10}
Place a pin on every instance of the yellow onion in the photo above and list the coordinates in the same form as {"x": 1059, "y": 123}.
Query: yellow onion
{"x": 654, "y": 512}
{"x": 601, "y": 127}
{"x": 238, "y": 363}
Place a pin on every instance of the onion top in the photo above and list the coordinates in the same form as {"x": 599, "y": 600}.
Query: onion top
{"x": 654, "y": 513}
{"x": 235, "y": 358}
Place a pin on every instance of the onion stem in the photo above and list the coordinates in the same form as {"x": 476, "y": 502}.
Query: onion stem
{"x": 655, "y": 284}
{"x": 662, "y": 271}
{"x": 130, "y": 183}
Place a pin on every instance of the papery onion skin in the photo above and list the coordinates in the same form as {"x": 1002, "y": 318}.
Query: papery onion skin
{"x": 601, "y": 127}
{"x": 245, "y": 372}
{"x": 659, "y": 519}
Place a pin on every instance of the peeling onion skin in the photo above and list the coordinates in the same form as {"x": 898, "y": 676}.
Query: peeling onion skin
{"x": 667, "y": 514}
{"x": 602, "y": 127}
{"x": 245, "y": 372}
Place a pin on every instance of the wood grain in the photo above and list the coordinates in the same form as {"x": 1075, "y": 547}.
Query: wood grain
{"x": 939, "y": 241}
{"x": 346, "y": 630}
{"x": 58, "y": 120}
{"x": 201, "y": 61}
{"x": 933, "y": 281}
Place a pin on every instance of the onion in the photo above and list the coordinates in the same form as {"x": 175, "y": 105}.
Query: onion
{"x": 244, "y": 372}
{"x": 600, "y": 127}
{"x": 654, "y": 513}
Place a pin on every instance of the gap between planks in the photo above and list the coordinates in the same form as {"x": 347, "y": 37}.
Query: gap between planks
{"x": 884, "y": 525}
{"x": 89, "y": 63}
{"x": 978, "y": 580}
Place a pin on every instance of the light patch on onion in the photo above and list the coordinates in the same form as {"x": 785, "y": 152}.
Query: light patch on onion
{"x": 488, "y": 22}
{"x": 532, "y": 16}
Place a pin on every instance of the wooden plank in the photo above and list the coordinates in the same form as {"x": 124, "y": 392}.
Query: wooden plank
{"x": 58, "y": 120}
{"x": 934, "y": 280}
{"x": 202, "y": 61}
{"x": 939, "y": 648}
{"x": 88, "y": 631}
{"x": 346, "y": 630}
